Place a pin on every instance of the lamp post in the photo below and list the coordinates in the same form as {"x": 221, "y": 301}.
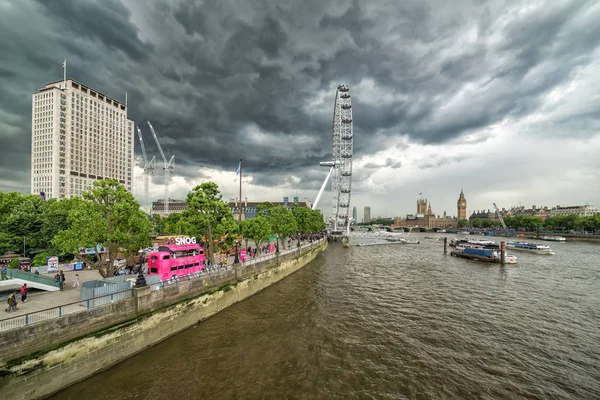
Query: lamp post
{"x": 236, "y": 260}
{"x": 141, "y": 280}
{"x": 298, "y": 240}
{"x": 277, "y": 245}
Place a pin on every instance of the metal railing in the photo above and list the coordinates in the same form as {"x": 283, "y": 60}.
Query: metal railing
{"x": 28, "y": 276}
{"x": 62, "y": 310}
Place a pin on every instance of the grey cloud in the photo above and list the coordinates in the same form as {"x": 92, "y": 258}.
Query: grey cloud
{"x": 435, "y": 163}
{"x": 227, "y": 80}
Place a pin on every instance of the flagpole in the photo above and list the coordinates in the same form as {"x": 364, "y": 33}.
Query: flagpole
{"x": 240, "y": 189}
{"x": 65, "y": 73}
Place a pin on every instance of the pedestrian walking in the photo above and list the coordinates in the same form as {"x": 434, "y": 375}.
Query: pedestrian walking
{"x": 4, "y": 270}
{"x": 24, "y": 293}
{"x": 76, "y": 281}
{"x": 12, "y": 301}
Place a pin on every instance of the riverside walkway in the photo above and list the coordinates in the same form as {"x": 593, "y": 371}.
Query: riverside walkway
{"x": 43, "y": 300}
{"x": 45, "y": 305}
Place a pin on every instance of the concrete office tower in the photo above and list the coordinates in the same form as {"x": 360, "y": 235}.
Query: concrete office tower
{"x": 79, "y": 135}
{"x": 367, "y": 215}
{"x": 354, "y": 214}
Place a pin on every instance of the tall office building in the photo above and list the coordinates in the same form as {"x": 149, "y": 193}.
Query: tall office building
{"x": 79, "y": 135}
{"x": 367, "y": 215}
{"x": 354, "y": 214}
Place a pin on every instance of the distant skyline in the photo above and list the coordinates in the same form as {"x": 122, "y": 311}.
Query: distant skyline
{"x": 499, "y": 98}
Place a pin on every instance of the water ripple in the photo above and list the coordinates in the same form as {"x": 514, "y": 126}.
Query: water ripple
{"x": 390, "y": 322}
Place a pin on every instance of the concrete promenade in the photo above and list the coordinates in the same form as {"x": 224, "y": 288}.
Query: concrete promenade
{"x": 43, "y": 300}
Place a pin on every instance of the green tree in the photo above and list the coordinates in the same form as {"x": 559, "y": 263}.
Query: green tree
{"x": 476, "y": 223}
{"x": 205, "y": 211}
{"x": 56, "y": 219}
{"x": 256, "y": 229}
{"x": 264, "y": 209}
{"x": 487, "y": 223}
{"x": 109, "y": 216}
{"x": 159, "y": 223}
{"x": 40, "y": 259}
{"x": 283, "y": 223}
{"x": 463, "y": 223}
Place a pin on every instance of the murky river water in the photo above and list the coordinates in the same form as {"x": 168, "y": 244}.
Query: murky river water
{"x": 388, "y": 322}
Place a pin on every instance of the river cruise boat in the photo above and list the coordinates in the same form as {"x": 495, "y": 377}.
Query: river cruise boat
{"x": 488, "y": 244}
{"x": 478, "y": 253}
{"x": 554, "y": 238}
{"x": 530, "y": 247}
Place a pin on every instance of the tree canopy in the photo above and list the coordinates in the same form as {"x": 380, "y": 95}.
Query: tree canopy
{"x": 108, "y": 215}
{"x": 207, "y": 214}
{"x": 282, "y": 222}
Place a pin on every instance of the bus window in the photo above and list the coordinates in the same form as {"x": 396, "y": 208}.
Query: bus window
{"x": 165, "y": 257}
{"x": 173, "y": 268}
{"x": 181, "y": 266}
{"x": 153, "y": 260}
{"x": 154, "y": 270}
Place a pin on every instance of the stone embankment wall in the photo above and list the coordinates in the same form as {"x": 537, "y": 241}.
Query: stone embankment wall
{"x": 127, "y": 327}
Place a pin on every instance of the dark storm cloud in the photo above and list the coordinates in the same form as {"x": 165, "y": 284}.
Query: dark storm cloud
{"x": 228, "y": 80}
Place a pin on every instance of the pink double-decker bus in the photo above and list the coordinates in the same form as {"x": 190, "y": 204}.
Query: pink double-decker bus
{"x": 176, "y": 260}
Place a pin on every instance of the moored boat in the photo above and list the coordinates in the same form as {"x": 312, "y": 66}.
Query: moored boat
{"x": 488, "y": 244}
{"x": 530, "y": 247}
{"x": 554, "y": 238}
{"x": 478, "y": 253}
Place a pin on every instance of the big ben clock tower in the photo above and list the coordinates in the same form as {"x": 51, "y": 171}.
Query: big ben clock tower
{"x": 462, "y": 206}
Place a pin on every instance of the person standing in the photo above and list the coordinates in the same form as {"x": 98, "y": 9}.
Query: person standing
{"x": 4, "y": 270}
{"x": 61, "y": 280}
{"x": 24, "y": 293}
{"x": 76, "y": 281}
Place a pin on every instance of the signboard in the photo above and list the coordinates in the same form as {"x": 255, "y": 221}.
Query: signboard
{"x": 52, "y": 263}
{"x": 90, "y": 251}
{"x": 183, "y": 240}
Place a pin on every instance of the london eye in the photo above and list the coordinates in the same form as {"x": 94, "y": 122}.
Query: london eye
{"x": 340, "y": 167}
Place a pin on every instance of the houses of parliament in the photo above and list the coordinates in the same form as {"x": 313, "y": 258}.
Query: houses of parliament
{"x": 426, "y": 218}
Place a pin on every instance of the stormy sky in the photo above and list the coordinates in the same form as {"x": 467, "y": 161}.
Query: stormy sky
{"x": 500, "y": 98}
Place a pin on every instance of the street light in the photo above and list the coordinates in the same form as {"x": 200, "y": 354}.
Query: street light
{"x": 236, "y": 260}
{"x": 298, "y": 240}
{"x": 141, "y": 280}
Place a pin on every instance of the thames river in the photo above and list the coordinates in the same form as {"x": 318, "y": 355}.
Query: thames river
{"x": 388, "y": 322}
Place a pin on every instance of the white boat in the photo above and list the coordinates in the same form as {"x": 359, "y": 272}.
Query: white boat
{"x": 464, "y": 233}
{"x": 530, "y": 247}
{"x": 554, "y": 238}
{"x": 441, "y": 231}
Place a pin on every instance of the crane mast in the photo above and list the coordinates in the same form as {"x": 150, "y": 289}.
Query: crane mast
{"x": 499, "y": 214}
{"x": 149, "y": 167}
{"x": 168, "y": 168}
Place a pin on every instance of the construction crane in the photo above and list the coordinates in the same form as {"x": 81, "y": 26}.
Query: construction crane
{"x": 499, "y": 214}
{"x": 168, "y": 168}
{"x": 149, "y": 167}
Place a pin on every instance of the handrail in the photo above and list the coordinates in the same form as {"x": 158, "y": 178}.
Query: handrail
{"x": 29, "y": 276}
{"x": 63, "y": 309}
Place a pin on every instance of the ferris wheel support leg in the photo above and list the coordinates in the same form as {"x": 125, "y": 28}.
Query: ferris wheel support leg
{"x": 322, "y": 189}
